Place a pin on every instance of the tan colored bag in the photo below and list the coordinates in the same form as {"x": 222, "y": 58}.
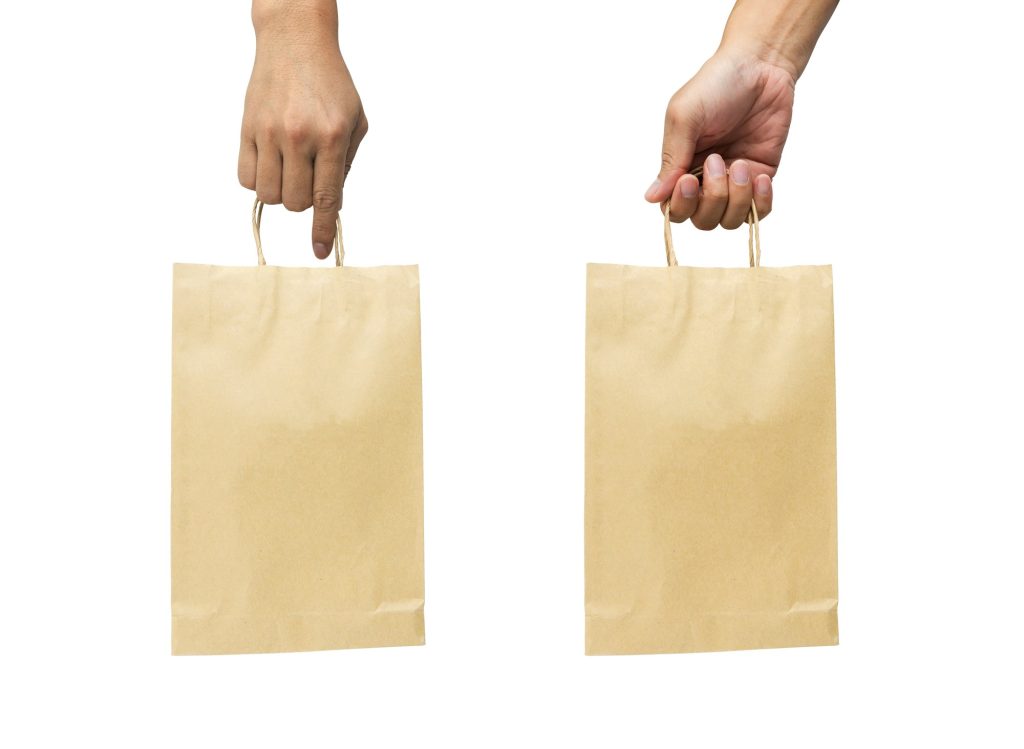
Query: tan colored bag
{"x": 297, "y": 470}
{"x": 710, "y": 457}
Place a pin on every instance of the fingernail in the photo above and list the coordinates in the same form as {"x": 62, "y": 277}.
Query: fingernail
{"x": 740, "y": 172}
{"x": 689, "y": 188}
{"x": 764, "y": 186}
{"x": 716, "y": 166}
{"x": 652, "y": 189}
{"x": 321, "y": 250}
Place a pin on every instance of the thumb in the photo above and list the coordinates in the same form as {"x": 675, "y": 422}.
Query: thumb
{"x": 682, "y": 129}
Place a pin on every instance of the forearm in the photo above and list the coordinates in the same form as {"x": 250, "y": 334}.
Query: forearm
{"x": 306, "y": 22}
{"x": 781, "y": 32}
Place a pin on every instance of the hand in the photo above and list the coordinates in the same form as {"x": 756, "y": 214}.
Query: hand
{"x": 302, "y": 124}
{"x": 735, "y": 112}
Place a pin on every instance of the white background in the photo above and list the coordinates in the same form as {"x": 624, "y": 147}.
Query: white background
{"x": 509, "y": 145}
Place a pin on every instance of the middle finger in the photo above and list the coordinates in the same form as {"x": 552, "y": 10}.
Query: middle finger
{"x": 297, "y": 192}
{"x": 714, "y": 194}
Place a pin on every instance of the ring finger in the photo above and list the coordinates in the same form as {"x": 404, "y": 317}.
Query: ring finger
{"x": 741, "y": 190}
{"x": 297, "y": 180}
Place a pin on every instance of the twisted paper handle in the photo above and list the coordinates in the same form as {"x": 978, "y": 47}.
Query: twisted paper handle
{"x": 754, "y": 233}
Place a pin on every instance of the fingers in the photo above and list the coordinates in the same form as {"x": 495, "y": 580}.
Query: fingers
{"x": 357, "y": 137}
{"x": 330, "y": 169}
{"x": 725, "y": 196}
{"x": 763, "y": 195}
{"x": 684, "y": 198}
{"x": 297, "y": 179}
{"x": 247, "y": 163}
{"x": 715, "y": 194}
{"x": 303, "y": 171}
{"x": 268, "y": 172}
{"x": 328, "y": 176}
{"x": 682, "y": 127}
{"x": 741, "y": 191}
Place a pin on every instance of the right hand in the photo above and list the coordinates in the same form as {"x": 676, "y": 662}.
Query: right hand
{"x": 302, "y": 124}
{"x": 735, "y": 112}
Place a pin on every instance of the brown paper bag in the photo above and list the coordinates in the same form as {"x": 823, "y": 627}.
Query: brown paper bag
{"x": 710, "y": 457}
{"x": 297, "y": 484}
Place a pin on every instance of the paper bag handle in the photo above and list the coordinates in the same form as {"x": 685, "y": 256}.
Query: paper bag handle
{"x": 257, "y": 215}
{"x": 752, "y": 221}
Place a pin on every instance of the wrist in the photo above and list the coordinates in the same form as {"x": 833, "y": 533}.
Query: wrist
{"x": 781, "y": 33}
{"x": 306, "y": 22}
{"x": 756, "y": 51}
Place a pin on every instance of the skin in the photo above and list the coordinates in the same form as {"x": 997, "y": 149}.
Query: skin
{"x": 303, "y": 119}
{"x": 734, "y": 115}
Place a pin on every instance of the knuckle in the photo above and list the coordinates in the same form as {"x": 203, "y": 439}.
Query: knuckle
{"x": 336, "y": 131}
{"x": 298, "y": 206}
{"x": 270, "y": 197}
{"x": 296, "y": 132}
{"x": 679, "y": 216}
{"x": 678, "y": 113}
{"x": 326, "y": 199}
{"x": 673, "y": 113}
{"x": 716, "y": 190}
{"x": 363, "y": 127}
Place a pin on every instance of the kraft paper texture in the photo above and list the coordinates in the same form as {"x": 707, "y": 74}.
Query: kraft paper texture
{"x": 296, "y": 459}
{"x": 710, "y": 518}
